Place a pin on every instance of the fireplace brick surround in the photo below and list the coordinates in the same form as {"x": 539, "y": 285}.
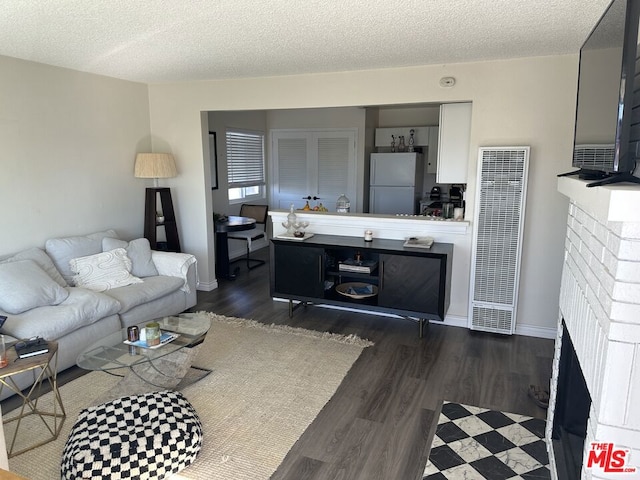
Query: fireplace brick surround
{"x": 600, "y": 304}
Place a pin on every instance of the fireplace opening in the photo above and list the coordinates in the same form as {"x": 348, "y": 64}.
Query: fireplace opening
{"x": 571, "y": 412}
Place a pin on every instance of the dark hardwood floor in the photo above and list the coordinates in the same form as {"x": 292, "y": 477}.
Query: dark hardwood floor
{"x": 379, "y": 423}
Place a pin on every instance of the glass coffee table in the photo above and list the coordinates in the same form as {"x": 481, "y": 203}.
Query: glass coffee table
{"x": 148, "y": 369}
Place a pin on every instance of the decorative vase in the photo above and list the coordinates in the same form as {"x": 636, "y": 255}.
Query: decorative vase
{"x": 343, "y": 205}
{"x": 292, "y": 220}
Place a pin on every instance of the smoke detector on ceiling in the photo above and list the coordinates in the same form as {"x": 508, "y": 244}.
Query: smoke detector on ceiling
{"x": 447, "y": 82}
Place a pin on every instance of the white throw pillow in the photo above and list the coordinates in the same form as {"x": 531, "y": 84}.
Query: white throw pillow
{"x": 138, "y": 250}
{"x": 103, "y": 271}
{"x": 62, "y": 250}
{"x": 25, "y": 285}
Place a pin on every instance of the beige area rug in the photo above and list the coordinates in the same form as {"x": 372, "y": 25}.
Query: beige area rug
{"x": 267, "y": 385}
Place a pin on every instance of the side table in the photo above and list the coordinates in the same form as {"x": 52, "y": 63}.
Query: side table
{"x": 44, "y": 368}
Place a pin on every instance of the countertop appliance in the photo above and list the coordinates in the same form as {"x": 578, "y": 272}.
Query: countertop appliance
{"x": 434, "y": 205}
{"x": 455, "y": 195}
{"x": 395, "y": 183}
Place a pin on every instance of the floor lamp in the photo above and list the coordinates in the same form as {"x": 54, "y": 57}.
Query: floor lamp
{"x": 158, "y": 165}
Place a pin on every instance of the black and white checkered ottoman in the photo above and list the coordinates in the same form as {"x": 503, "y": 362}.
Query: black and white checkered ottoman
{"x": 148, "y": 436}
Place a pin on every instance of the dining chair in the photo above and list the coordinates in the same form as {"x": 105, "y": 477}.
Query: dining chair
{"x": 259, "y": 213}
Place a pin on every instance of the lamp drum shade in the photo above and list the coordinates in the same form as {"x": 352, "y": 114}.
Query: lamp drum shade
{"x": 155, "y": 165}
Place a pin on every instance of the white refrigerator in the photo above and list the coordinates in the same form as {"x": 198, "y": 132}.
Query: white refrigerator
{"x": 395, "y": 183}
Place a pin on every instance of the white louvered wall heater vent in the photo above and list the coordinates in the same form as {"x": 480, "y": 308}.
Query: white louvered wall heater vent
{"x": 497, "y": 239}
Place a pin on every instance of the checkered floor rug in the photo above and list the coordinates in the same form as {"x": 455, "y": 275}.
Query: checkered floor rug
{"x": 477, "y": 443}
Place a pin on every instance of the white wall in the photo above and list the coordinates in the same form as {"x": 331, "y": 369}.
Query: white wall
{"x": 515, "y": 102}
{"x": 68, "y": 143}
{"x": 409, "y": 117}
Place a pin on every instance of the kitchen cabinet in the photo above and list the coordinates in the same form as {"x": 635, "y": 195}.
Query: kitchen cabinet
{"x": 432, "y": 152}
{"x": 413, "y": 283}
{"x": 420, "y": 136}
{"x": 453, "y": 142}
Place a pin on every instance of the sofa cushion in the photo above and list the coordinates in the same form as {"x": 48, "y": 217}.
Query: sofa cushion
{"x": 138, "y": 250}
{"x": 82, "y": 307}
{"x": 150, "y": 289}
{"x": 62, "y": 250}
{"x": 103, "y": 271}
{"x": 24, "y": 285}
{"x": 41, "y": 258}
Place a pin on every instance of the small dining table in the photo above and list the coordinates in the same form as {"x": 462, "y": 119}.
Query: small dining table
{"x": 232, "y": 223}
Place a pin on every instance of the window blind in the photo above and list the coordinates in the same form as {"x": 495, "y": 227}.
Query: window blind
{"x": 245, "y": 158}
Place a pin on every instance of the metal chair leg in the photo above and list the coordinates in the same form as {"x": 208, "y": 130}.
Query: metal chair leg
{"x": 257, "y": 262}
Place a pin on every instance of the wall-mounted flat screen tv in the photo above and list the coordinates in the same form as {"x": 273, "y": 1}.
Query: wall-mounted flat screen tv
{"x": 607, "y": 128}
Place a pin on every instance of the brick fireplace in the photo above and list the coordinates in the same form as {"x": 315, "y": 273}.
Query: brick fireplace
{"x": 600, "y": 305}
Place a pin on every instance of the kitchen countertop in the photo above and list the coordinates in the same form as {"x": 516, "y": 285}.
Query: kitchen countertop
{"x": 383, "y": 226}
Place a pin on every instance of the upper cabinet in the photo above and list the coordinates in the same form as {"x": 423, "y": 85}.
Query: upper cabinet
{"x": 420, "y": 136}
{"x": 447, "y": 144}
{"x": 453, "y": 143}
{"x": 432, "y": 151}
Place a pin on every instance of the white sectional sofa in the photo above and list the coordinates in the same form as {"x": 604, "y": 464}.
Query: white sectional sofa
{"x": 78, "y": 289}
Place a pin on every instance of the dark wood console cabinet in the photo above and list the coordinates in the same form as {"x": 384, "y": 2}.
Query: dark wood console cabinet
{"x": 412, "y": 282}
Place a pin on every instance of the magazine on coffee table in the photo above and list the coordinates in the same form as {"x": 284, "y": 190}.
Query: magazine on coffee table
{"x": 165, "y": 337}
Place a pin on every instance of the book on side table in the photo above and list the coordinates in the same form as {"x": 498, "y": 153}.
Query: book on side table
{"x": 31, "y": 347}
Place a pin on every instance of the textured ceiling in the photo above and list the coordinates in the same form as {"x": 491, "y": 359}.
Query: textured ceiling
{"x": 156, "y": 41}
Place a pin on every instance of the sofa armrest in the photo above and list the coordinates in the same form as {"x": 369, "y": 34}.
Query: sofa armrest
{"x": 176, "y": 265}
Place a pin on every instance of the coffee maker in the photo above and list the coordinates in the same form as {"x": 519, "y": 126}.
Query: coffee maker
{"x": 455, "y": 196}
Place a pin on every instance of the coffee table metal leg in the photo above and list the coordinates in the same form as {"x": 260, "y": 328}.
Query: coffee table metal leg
{"x": 164, "y": 373}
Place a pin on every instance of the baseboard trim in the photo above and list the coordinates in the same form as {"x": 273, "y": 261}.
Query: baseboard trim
{"x": 534, "y": 331}
{"x": 454, "y": 321}
{"x": 207, "y": 286}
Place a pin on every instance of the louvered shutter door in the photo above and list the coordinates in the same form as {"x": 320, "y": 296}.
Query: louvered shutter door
{"x": 333, "y": 167}
{"x": 292, "y": 165}
{"x": 497, "y": 246}
{"x": 313, "y": 163}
